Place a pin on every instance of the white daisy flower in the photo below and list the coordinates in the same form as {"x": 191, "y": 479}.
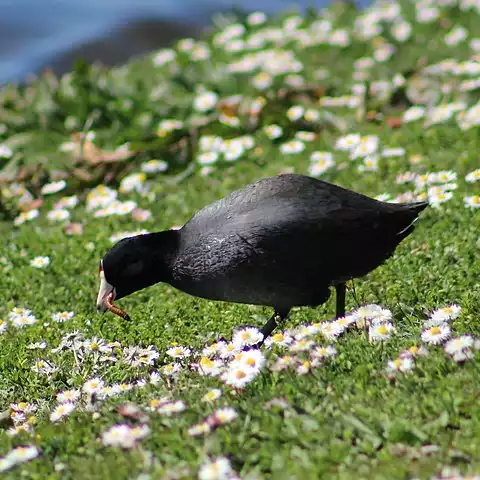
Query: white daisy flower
{"x": 233, "y": 150}
{"x": 62, "y": 410}
{"x": 436, "y": 335}
{"x": 155, "y": 378}
{"x": 253, "y": 359}
{"x": 61, "y": 317}
{"x": 53, "y": 187}
{"x": 345, "y": 322}
{"x": 21, "y": 321}
{"x": 164, "y": 128}
{"x": 171, "y": 369}
{"x": 305, "y": 136}
{"x": 473, "y": 176}
{"x": 68, "y": 396}
{"x": 347, "y": 142}
{"x": 157, "y": 402}
{"x": 154, "y": 166}
{"x": 205, "y": 101}
{"x": 320, "y": 163}
{"x": 248, "y": 336}
{"x": 472, "y": 202}
{"x": 179, "y": 352}
{"x": 199, "y": 429}
{"x": 281, "y": 339}
{"x": 406, "y": 177}
{"x": 295, "y": 113}
{"x": 368, "y": 146}
{"x": 273, "y": 131}
{"x": 463, "y": 356}
{"x": 229, "y": 350}
{"x": 19, "y": 312}
{"x": 3, "y": 326}
{"x": 5, "y": 152}
{"x": 444, "y": 176}
{"x": 304, "y": 367}
{"x": 26, "y": 216}
{"x": 17, "y": 456}
{"x": 380, "y": 332}
{"x": 256, "y": 18}
{"x": 308, "y": 330}
{"x": 93, "y": 385}
{"x": 67, "y": 202}
{"x": 238, "y": 377}
{"x": 207, "y": 366}
{"x": 262, "y": 80}
{"x": 370, "y": 164}
{"x": 282, "y": 363}
{"x": 207, "y": 158}
{"x": 401, "y": 31}
{"x": 212, "y": 395}
{"x": 214, "y": 349}
{"x": 58, "y": 215}
{"x": 414, "y": 351}
{"x": 331, "y": 330}
{"x": 426, "y": 14}
{"x": 402, "y": 365}
{"x": 124, "y": 436}
{"x": 321, "y": 352}
{"x": 302, "y": 345}
{"x": 436, "y": 199}
{"x": 170, "y": 408}
{"x": 443, "y": 315}
{"x": 413, "y": 113}
{"x": 141, "y": 215}
{"x": 17, "y": 430}
{"x": 40, "y": 262}
{"x": 460, "y": 347}
{"x": 455, "y": 36}
{"x": 216, "y": 469}
{"x": 135, "y": 182}
{"x": 164, "y": 56}
{"x": 24, "y": 407}
{"x": 225, "y": 415}
{"x": 292, "y": 147}
{"x": 381, "y": 315}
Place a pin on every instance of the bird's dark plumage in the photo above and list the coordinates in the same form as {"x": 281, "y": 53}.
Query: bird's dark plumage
{"x": 282, "y": 241}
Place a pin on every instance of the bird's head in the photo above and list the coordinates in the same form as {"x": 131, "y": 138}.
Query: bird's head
{"x": 132, "y": 264}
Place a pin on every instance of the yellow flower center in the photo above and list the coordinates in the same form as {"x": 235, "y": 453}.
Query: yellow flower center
{"x": 382, "y": 330}
{"x": 240, "y": 374}
{"x": 206, "y": 362}
{"x": 435, "y": 331}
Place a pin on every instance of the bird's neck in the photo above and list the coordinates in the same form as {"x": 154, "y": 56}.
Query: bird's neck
{"x": 159, "y": 249}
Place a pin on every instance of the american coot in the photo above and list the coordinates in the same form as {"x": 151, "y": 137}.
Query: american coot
{"x": 282, "y": 241}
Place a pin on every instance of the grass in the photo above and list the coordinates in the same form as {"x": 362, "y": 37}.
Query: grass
{"x": 343, "y": 420}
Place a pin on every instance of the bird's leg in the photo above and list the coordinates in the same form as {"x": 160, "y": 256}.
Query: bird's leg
{"x": 340, "y": 297}
{"x": 278, "y": 317}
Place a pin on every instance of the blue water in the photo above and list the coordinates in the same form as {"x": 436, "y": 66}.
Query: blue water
{"x": 36, "y": 32}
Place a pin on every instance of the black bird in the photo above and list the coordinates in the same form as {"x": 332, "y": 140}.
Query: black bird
{"x": 282, "y": 241}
